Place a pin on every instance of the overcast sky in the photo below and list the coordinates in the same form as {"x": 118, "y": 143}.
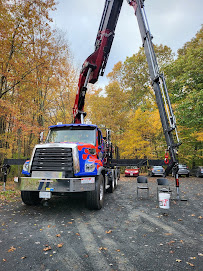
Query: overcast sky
{"x": 172, "y": 23}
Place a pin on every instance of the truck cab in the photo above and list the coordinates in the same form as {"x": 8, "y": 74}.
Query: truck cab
{"x": 74, "y": 158}
{"x": 88, "y": 157}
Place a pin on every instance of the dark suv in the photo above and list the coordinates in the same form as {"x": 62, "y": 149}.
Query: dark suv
{"x": 197, "y": 171}
{"x": 182, "y": 170}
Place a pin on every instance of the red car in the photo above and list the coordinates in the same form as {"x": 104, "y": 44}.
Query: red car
{"x": 131, "y": 171}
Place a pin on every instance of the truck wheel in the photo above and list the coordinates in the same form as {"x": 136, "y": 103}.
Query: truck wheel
{"x": 112, "y": 186}
{"x": 30, "y": 197}
{"x": 95, "y": 199}
{"x": 116, "y": 179}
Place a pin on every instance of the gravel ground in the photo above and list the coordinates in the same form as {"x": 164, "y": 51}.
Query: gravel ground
{"x": 129, "y": 233}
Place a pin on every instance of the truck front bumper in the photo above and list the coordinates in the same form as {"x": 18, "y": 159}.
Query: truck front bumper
{"x": 61, "y": 185}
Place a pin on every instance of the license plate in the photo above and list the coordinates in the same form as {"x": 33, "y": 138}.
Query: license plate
{"x": 44, "y": 195}
{"x": 87, "y": 180}
{"x": 131, "y": 174}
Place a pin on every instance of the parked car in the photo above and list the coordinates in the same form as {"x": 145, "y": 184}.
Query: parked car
{"x": 132, "y": 171}
{"x": 182, "y": 170}
{"x": 156, "y": 171}
{"x": 197, "y": 171}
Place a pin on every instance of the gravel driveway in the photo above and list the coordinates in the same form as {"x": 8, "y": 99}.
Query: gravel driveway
{"x": 127, "y": 234}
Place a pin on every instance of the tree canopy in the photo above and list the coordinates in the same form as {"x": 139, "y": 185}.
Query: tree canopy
{"x": 37, "y": 80}
{"x": 38, "y": 83}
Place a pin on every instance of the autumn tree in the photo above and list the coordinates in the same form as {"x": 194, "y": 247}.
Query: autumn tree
{"x": 143, "y": 135}
{"x": 185, "y": 80}
{"x": 136, "y": 74}
{"x": 23, "y": 24}
{"x": 37, "y": 77}
{"x": 109, "y": 110}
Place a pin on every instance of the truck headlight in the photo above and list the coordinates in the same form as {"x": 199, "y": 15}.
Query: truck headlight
{"x": 89, "y": 167}
{"x": 26, "y": 166}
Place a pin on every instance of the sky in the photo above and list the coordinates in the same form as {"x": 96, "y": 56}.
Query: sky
{"x": 171, "y": 22}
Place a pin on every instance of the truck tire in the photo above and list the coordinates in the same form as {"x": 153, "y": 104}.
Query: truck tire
{"x": 112, "y": 186}
{"x": 114, "y": 182}
{"x": 116, "y": 179}
{"x": 95, "y": 199}
{"x": 30, "y": 197}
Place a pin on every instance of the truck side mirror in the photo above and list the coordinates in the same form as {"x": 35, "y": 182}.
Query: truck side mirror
{"x": 41, "y": 137}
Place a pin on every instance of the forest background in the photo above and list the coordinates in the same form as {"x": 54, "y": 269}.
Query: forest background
{"x": 38, "y": 83}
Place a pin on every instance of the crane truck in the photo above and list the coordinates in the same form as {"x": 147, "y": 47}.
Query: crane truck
{"x": 77, "y": 157}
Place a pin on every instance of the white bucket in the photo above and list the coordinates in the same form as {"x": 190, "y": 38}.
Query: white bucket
{"x": 164, "y": 199}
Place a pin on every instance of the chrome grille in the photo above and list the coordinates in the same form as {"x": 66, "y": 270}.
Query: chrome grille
{"x": 53, "y": 159}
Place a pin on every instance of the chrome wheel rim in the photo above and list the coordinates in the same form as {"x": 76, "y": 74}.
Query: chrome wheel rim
{"x": 101, "y": 192}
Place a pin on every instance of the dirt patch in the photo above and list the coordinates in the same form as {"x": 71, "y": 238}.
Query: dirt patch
{"x": 11, "y": 194}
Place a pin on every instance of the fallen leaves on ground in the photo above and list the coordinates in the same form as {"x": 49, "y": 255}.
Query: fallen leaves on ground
{"x": 190, "y": 264}
{"x": 178, "y": 260}
{"x": 60, "y": 245}
{"x": 171, "y": 242}
{"x": 12, "y": 249}
{"x": 47, "y": 248}
{"x": 102, "y": 248}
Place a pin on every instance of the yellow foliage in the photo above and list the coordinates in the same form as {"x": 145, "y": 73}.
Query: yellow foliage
{"x": 198, "y": 136}
{"x": 142, "y": 136}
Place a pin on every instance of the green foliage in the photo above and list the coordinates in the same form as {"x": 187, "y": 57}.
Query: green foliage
{"x": 185, "y": 81}
{"x": 136, "y": 74}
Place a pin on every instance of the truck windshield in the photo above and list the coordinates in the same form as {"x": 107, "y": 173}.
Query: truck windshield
{"x": 72, "y": 135}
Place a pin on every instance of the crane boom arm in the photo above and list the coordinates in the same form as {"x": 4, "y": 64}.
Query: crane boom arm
{"x": 158, "y": 82}
{"x": 95, "y": 64}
